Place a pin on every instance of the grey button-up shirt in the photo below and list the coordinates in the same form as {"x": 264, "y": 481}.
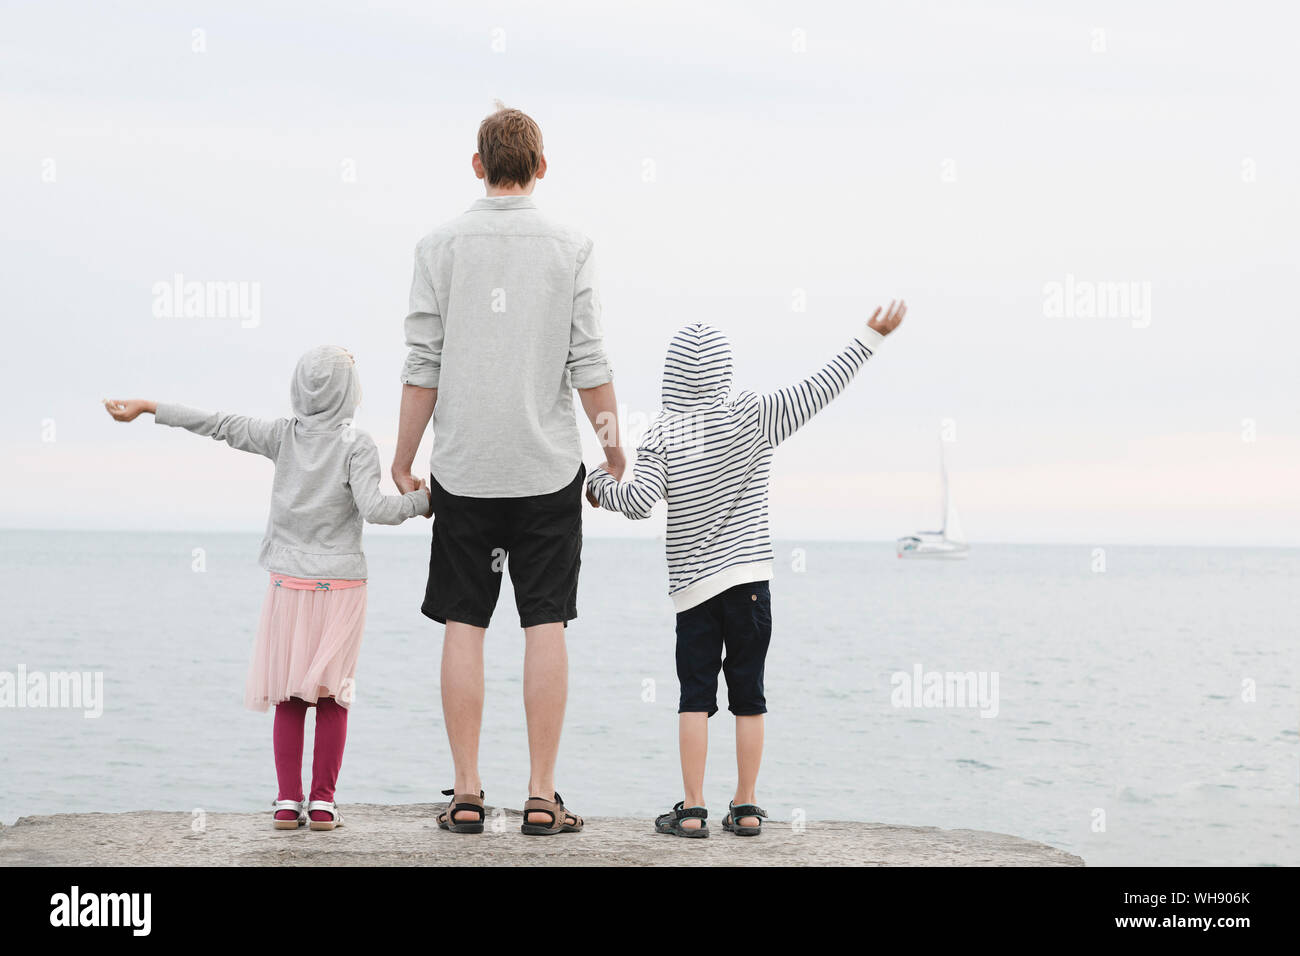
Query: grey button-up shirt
{"x": 504, "y": 323}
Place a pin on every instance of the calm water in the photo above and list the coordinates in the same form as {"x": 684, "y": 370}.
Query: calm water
{"x": 1121, "y": 693}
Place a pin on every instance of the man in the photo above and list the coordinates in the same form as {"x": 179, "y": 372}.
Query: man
{"x": 504, "y": 324}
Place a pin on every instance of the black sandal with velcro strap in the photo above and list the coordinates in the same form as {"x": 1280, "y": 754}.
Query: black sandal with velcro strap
{"x": 735, "y": 813}
{"x": 462, "y": 803}
{"x": 671, "y": 822}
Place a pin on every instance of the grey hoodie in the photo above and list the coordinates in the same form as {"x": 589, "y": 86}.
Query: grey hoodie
{"x": 326, "y": 470}
{"x": 709, "y": 455}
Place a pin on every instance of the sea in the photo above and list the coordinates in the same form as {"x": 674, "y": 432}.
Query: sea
{"x": 1132, "y": 705}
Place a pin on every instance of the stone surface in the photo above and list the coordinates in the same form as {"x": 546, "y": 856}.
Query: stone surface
{"x": 375, "y": 835}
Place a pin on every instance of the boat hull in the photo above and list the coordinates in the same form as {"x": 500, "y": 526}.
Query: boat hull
{"x": 936, "y": 555}
{"x": 941, "y": 549}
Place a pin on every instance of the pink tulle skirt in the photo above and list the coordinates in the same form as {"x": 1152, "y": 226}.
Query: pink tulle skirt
{"x": 307, "y": 646}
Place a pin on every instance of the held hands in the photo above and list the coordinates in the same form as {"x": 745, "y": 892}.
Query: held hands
{"x": 616, "y": 464}
{"x": 128, "y": 410}
{"x": 893, "y": 318}
{"x": 407, "y": 482}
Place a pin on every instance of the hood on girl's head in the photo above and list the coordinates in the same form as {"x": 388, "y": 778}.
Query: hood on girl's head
{"x": 326, "y": 389}
{"x": 697, "y": 369}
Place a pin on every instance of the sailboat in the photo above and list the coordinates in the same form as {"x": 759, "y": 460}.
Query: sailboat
{"x": 948, "y": 541}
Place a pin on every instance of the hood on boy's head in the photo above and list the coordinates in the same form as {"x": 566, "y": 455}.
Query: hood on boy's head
{"x": 697, "y": 369}
{"x": 326, "y": 389}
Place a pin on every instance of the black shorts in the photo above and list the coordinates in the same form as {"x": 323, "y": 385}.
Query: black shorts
{"x": 740, "y": 620}
{"x": 474, "y": 539}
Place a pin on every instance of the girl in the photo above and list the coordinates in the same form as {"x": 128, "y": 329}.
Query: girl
{"x": 326, "y": 482}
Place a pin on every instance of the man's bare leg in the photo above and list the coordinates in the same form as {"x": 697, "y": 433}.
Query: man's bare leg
{"x": 546, "y": 689}
{"x": 462, "y": 703}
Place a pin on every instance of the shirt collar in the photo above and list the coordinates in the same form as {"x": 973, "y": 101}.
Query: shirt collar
{"x": 503, "y": 202}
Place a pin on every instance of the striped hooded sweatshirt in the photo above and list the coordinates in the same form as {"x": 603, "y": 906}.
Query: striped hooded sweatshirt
{"x": 709, "y": 455}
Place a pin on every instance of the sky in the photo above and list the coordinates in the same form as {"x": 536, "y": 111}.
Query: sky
{"x": 1089, "y": 208}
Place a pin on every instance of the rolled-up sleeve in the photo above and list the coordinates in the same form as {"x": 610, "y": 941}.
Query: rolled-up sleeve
{"x": 424, "y": 329}
{"x": 587, "y": 366}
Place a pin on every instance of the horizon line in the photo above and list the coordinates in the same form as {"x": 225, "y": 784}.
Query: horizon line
{"x": 657, "y": 538}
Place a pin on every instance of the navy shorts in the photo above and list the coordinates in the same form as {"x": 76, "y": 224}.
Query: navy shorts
{"x": 539, "y": 538}
{"x": 738, "y": 620}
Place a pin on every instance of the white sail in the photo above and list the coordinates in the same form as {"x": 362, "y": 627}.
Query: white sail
{"x": 952, "y": 524}
{"x": 949, "y": 541}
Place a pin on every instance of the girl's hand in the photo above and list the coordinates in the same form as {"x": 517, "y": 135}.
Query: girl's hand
{"x": 893, "y": 317}
{"x": 424, "y": 486}
{"x": 128, "y": 410}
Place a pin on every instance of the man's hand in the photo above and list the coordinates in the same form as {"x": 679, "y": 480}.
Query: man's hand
{"x": 406, "y": 481}
{"x": 615, "y": 463}
{"x": 893, "y": 318}
{"x": 128, "y": 410}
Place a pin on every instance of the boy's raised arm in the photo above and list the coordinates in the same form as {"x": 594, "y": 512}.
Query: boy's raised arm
{"x": 783, "y": 412}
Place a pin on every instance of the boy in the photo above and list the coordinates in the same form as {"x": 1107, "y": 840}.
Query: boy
{"x": 708, "y": 454}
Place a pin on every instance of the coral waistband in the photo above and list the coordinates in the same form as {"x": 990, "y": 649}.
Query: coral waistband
{"x": 313, "y": 584}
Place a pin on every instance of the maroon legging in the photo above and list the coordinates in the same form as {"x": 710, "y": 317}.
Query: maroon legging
{"x": 327, "y": 754}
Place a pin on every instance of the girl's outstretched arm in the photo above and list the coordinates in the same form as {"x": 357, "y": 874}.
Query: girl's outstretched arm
{"x": 375, "y": 506}
{"x": 261, "y": 436}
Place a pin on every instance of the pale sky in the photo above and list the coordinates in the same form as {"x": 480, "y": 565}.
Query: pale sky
{"x": 728, "y": 160}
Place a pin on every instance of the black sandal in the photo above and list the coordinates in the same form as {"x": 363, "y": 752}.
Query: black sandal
{"x": 671, "y": 822}
{"x": 562, "y": 819}
{"x": 735, "y": 813}
{"x": 462, "y": 803}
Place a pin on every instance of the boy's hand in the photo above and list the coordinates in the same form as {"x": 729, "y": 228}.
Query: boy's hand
{"x": 591, "y": 499}
{"x": 128, "y": 410}
{"x": 893, "y": 318}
